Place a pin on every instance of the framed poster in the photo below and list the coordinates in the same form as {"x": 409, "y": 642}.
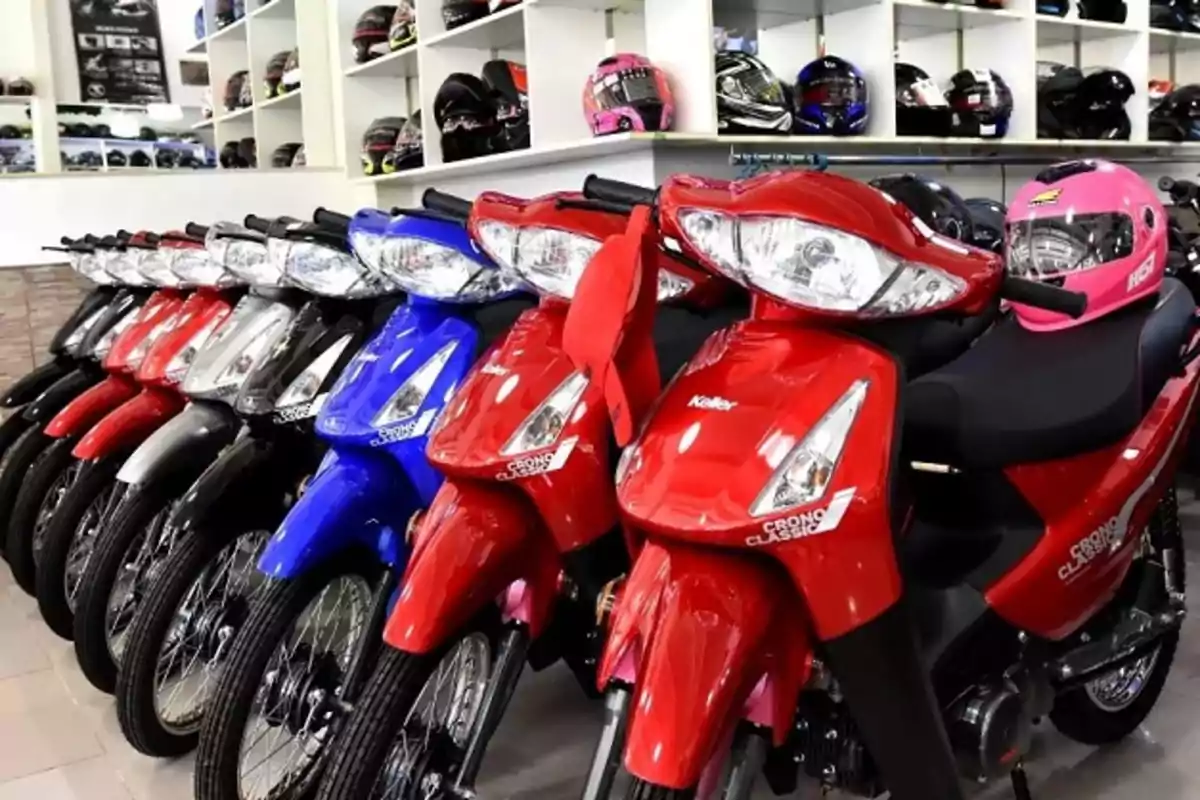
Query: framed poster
{"x": 118, "y": 47}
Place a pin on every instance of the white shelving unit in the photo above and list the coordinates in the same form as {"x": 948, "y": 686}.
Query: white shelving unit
{"x": 303, "y": 116}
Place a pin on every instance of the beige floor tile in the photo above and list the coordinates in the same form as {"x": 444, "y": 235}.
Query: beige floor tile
{"x": 46, "y": 737}
{"x": 93, "y": 779}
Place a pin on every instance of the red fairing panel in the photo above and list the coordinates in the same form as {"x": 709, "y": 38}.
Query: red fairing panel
{"x": 130, "y": 424}
{"x": 1095, "y": 507}
{"x": 88, "y": 408}
{"x": 204, "y": 308}
{"x": 160, "y": 306}
{"x": 703, "y": 629}
{"x": 727, "y": 423}
{"x": 475, "y": 541}
{"x": 570, "y": 482}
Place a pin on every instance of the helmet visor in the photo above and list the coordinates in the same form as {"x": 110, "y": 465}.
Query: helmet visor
{"x": 625, "y": 88}
{"x": 922, "y": 93}
{"x": 1041, "y": 249}
{"x": 835, "y": 90}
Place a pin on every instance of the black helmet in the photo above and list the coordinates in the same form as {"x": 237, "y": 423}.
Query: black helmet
{"x": 1175, "y": 15}
{"x": 1103, "y": 10}
{"x": 921, "y": 108}
{"x": 248, "y": 150}
{"x": 466, "y": 117}
{"x": 987, "y": 217}
{"x": 102, "y": 131}
{"x": 456, "y": 13}
{"x": 830, "y": 97}
{"x": 371, "y": 33}
{"x": 9, "y": 132}
{"x": 404, "y": 26}
{"x": 291, "y": 71}
{"x": 117, "y": 159}
{"x": 1056, "y": 90}
{"x": 1177, "y": 117}
{"x": 750, "y": 99}
{"x": 226, "y": 13}
{"x": 165, "y": 159}
{"x": 409, "y": 151}
{"x": 19, "y": 88}
{"x": 378, "y": 141}
{"x": 285, "y": 155}
{"x": 275, "y": 69}
{"x": 145, "y": 133}
{"x": 508, "y": 89}
{"x": 981, "y": 103}
{"x": 230, "y": 157}
{"x": 1072, "y": 105}
{"x": 139, "y": 158}
{"x": 936, "y": 204}
{"x": 300, "y": 159}
{"x": 236, "y": 90}
{"x": 80, "y": 130}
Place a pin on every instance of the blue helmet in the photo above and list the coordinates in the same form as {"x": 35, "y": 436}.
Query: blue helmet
{"x": 831, "y": 98}
{"x": 201, "y": 31}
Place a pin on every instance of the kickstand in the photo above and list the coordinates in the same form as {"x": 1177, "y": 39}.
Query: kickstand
{"x": 1020, "y": 783}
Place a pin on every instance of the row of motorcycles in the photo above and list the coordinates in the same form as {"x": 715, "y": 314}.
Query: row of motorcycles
{"x": 310, "y": 496}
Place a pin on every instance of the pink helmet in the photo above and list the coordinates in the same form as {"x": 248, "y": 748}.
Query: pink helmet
{"x": 1090, "y": 226}
{"x": 628, "y": 93}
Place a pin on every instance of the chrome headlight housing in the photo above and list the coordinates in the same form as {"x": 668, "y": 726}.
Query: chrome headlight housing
{"x": 325, "y": 270}
{"x": 155, "y": 266}
{"x": 243, "y": 253}
{"x": 815, "y": 266}
{"x": 429, "y": 269}
{"x": 91, "y": 266}
{"x": 123, "y": 266}
{"x": 195, "y": 267}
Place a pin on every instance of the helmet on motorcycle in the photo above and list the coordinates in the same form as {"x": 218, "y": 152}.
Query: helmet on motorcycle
{"x": 987, "y": 222}
{"x": 291, "y": 72}
{"x": 235, "y": 90}
{"x": 1088, "y": 226}
{"x": 274, "y": 77}
{"x": 1176, "y": 118}
{"x": 509, "y": 90}
{"x": 626, "y": 92}
{"x": 371, "y": 33}
{"x": 456, "y": 13}
{"x": 981, "y": 103}
{"x": 403, "y": 31}
{"x": 831, "y": 97}
{"x": 409, "y": 150}
{"x": 284, "y": 155}
{"x": 466, "y": 117}
{"x": 750, "y": 99}
{"x": 139, "y": 158}
{"x": 1103, "y": 10}
{"x": 921, "y": 108}
{"x": 378, "y": 140}
{"x": 936, "y": 204}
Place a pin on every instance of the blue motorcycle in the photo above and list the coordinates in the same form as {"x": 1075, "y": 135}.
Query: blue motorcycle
{"x": 314, "y": 632}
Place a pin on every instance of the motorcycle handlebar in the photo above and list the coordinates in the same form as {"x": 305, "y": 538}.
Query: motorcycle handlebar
{"x": 256, "y": 223}
{"x": 332, "y": 221}
{"x": 448, "y": 204}
{"x": 618, "y": 192}
{"x": 1044, "y": 296}
{"x": 153, "y": 238}
{"x": 124, "y": 235}
{"x": 1180, "y": 191}
{"x": 194, "y": 229}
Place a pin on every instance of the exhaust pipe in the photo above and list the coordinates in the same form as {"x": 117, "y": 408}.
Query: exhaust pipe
{"x": 1131, "y": 640}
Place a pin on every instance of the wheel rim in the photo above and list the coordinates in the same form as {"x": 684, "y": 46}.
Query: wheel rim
{"x": 293, "y": 711}
{"x": 203, "y": 628}
{"x": 435, "y": 731}
{"x": 140, "y": 564}
{"x": 50, "y": 504}
{"x": 1121, "y": 688}
{"x": 83, "y": 543}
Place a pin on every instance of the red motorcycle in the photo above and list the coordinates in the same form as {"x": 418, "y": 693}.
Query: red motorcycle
{"x": 877, "y": 582}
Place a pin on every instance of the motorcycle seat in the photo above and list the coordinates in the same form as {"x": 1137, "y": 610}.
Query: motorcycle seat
{"x": 922, "y": 344}
{"x": 1019, "y": 397}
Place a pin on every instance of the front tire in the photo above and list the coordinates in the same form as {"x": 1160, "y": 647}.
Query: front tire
{"x": 15, "y": 464}
{"x": 180, "y": 638}
{"x": 42, "y": 492}
{"x": 277, "y": 683}
{"x": 1113, "y": 706}
{"x": 134, "y": 539}
{"x": 640, "y": 790}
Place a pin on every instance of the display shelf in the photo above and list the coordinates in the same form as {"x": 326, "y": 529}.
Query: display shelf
{"x": 204, "y": 124}
{"x": 916, "y": 16}
{"x": 237, "y": 30}
{"x": 400, "y": 64}
{"x": 238, "y": 113}
{"x": 1163, "y": 41}
{"x": 592, "y": 5}
{"x": 289, "y": 100}
{"x": 276, "y": 9}
{"x": 500, "y": 31}
{"x": 1064, "y": 29}
{"x": 198, "y": 47}
{"x": 9, "y": 100}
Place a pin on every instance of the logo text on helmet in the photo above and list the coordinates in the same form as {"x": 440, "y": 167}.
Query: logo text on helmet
{"x": 1141, "y": 274}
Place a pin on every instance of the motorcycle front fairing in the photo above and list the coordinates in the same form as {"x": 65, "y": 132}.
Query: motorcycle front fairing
{"x": 99, "y": 297}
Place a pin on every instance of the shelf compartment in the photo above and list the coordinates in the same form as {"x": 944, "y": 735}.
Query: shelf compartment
{"x": 915, "y": 18}
{"x": 502, "y": 31}
{"x": 288, "y": 100}
{"x": 1055, "y": 30}
{"x": 230, "y": 32}
{"x": 1164, "y": 41}
{"x": 277, "y": 9}
{"x": 400, "y": 64}
{"x": 235, "y": 114}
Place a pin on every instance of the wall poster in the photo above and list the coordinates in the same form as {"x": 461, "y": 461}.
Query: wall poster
{"x": 118, "y": 47}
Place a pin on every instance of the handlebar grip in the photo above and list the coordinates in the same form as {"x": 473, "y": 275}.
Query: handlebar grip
{"x": 331, "y": 220}
{"x": 256, "y": 223}
{"x": 628, "y": 194}
{"x": 448, "y": 204}
{"x": 1044, "y": 296}
{"x": 153, "y": 238}
{"x": 193, "y": 229}
{"x": 124, "y": 235}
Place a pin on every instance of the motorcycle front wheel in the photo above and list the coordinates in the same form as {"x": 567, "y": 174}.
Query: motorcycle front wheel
{"x": 278, "y": 701}
{"x": 51, "y": 476}
{"x": 410, "y": 727}
{"x": 181, "y": 636}
{"x": 640, "y": 790}
{"x": 15, "y": 464}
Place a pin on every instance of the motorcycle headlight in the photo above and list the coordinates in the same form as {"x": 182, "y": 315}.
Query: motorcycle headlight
{"x": 82, "y": 330}
{"x": 105, "y": 342}
{"x": 543, "y": 427}
{"x": 91, "y": 266}
{"x": 123, "y": 266}
{"x": 328, "y": 271}
{"x": 237, "y": 347}
{"x": 195, "y": 267}
{"x": 246, "y": 259}
{"x": 368, "y": 246}
{"x": 155, "y": 266}
{"x": 806, "y": 471}
{"x": 815, "y": 266}
{"x": 306, "y": 385}
{"x": 409, "y": 398}
{"x": 553, "y": 261}
{"x": 432, "y": 270}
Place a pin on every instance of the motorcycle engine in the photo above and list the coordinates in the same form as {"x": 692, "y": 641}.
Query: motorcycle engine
{"x": 825, "y": 746}
{"x": 990, "y": 730}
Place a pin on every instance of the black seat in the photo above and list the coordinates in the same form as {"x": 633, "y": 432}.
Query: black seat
{"x": 679, "y": 332}
{"x": 1019, "y": 396}
{"x": 922, "y": 344}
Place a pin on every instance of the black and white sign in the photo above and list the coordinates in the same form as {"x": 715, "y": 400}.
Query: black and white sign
{"x": 118, "y": 46}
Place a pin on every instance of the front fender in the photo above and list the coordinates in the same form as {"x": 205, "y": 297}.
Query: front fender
{"x": 180, "y": 450}
{"x": 476, "y": 541}
{"x": 702, "y": 630}
{"x": 129, "y": 424}
{"x": 355, "y": 498}
{"x": 34, "y": 382}
{"x": 90, "y": 407}
{"x": 61, "y": 392}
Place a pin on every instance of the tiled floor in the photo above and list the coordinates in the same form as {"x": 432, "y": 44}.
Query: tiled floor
{"x": 59, "y": 738}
